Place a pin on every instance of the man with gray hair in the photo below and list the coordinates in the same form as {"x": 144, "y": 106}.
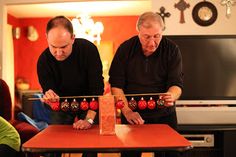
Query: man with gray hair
{"x": 148, "y": 63}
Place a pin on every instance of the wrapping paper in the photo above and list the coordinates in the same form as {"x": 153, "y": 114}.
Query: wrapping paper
{"x": 107, "y": 115}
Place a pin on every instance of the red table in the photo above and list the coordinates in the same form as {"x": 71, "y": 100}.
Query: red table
{"x": 147, "y": 137}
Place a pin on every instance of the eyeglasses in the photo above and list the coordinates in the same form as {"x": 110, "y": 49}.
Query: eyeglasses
{"x": 148, "y": 38}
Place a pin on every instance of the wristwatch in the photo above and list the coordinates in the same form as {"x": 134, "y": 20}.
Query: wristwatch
{"x": 90, "y": 121}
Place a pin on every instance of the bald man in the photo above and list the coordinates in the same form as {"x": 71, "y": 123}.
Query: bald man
{"x": 69, "y": 67}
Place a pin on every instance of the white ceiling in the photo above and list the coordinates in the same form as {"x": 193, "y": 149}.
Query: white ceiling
{"x": 94, "y": 8}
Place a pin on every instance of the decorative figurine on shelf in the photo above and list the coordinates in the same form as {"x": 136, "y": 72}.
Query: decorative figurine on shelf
{"x": 65, "y": 106}
{"x": 22, "y": 84}
{"x": 228, "y": 4}
{"x": 74, "y": 106}
{"x": 182, "y": 5}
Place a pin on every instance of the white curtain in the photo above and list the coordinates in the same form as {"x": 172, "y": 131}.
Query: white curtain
{"x": 8, "y": 64}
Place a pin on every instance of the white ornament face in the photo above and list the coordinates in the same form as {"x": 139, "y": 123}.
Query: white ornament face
{"x": 205, "y": 13}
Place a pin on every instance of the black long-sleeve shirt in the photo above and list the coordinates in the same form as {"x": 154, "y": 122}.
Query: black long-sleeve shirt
{"x": 78, "y": 75}
{"x": 134, "y": 72}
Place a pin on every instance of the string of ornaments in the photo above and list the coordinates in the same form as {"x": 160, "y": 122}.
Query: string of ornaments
{"x": 75, "y": 106}
{"x": 133, "y": 104}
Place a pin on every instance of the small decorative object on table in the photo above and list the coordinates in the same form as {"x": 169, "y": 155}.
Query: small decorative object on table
{"x": 107, "y": 116}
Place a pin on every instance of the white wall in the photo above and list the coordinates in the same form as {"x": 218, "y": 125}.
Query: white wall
{"x": 222, "y": 26}
{"x": 8, "y": 62}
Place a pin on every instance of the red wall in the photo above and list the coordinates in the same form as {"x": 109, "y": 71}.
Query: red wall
{"x": 116, "y": 29}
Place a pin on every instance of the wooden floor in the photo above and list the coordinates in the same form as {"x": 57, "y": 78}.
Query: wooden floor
{"x": 106, "y": 155}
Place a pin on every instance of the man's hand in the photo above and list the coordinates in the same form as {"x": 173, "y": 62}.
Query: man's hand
{"x": 82, "y": 125}
{"x": 168, "y": 99}
{"x": 133, "y": 117}
{"x": 52, "y": 99}
{"x": 171, "y": 96}
{"x": 86, "y": 123}
{"x": 50, "y": 96}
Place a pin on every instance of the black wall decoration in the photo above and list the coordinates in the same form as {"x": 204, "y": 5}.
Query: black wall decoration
{"x": 163, "y": 14}
{"x": 204, "y": 13}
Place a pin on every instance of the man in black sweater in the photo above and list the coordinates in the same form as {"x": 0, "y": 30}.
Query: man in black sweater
{"x": 148, "y": 63}
{"x": 69, "y": 67}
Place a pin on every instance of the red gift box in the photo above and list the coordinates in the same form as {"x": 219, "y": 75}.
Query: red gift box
{"x": 107, "y": 116}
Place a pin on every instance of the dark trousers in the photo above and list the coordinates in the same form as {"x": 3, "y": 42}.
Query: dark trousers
{"x": 6, "y": 151}
{"x": 166, "y": 117}
{"x": 90, "y": 154}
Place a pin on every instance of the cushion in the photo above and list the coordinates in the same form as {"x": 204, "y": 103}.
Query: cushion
{"x": 40, "y": 125}
{"x": 25, "y": 130}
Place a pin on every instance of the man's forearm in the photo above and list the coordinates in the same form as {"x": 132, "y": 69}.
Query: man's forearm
{"x": 119, "y": 94}
{"x": 176, "y": 91}
{"x": 91, "y": 114}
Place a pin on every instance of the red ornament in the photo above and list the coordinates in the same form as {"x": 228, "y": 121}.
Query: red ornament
{"x": 120, "y": 104}
{"x": 93, "y": 105}
{"x": 65, "y": 106}
{"x": 132, "y": 104}
{"x": 84, "y": 105}
{"x": 151, "y": 104}
{"x": 55, "y": 106}
{"x": 74, "y": 106}
{"x": 142, "y": 104}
